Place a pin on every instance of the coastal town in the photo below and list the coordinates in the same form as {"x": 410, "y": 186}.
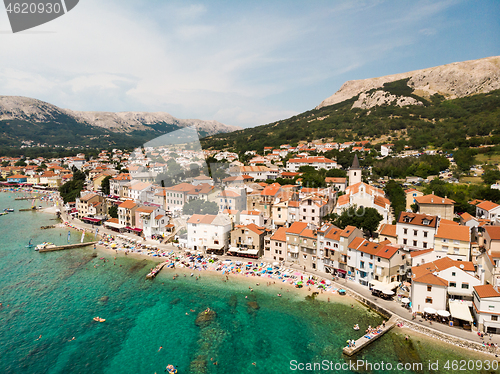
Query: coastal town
{"x": 429, "y": 259}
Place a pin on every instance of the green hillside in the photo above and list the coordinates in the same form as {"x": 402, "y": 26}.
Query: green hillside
{"x": 465, "y": 122}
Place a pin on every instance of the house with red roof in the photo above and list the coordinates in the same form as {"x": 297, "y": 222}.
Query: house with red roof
{"x": 416, "y": 231}
{"x": 333, "y": 245}
{"x": 247, "y": 241}
{"x": 458, "y": 279}
{"x": 435, "y": 206}
{"x": 317, "y": 162}
{"x": 488, "y": 210}
{"x": 376, "y": 264}
{"x": 486, "y": 308}
{"x": 453, "y": 241}
{"x": 233, "y": 199}
{"x": 209, "y": 233}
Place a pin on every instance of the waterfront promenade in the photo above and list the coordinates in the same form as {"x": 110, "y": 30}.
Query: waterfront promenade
{"x": 393, "y": 306}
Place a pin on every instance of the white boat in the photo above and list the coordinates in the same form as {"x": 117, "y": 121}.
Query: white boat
{"x": 8, "y": 210}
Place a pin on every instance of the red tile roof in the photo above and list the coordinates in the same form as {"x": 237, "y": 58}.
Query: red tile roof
{"x": 486, "y": 290}
{"x": 433, "y": 199}
{"x": 296, "y": 228}
{"x": 487, "y": 205}
{"x": 431, "y": 279}
{"x": 453, "y": 232}
{"x": 280, "y": 235}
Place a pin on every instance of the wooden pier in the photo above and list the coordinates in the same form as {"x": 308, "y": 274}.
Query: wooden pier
{"x": 153, "y": 273}
{"x": 363, "y": 342}
{"x": 67, "y": 246}
{"x": 25, "y": 198}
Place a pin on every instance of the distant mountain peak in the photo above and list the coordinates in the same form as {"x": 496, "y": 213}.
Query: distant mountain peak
{"x": 33, "y": 110}
{"x": 452, "y": 81}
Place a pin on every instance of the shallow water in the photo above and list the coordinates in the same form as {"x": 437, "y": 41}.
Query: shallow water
{"x": 57, "y": 294}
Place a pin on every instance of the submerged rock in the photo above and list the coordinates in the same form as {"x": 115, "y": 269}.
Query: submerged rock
{"x": 175, "y": 301}
{"x": 204, "y": 318}
{"x": 104, "y": 299}
{"x": 253, "y": 305}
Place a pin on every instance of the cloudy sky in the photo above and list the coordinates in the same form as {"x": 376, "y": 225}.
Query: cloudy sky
{"x": 242, "y": 63}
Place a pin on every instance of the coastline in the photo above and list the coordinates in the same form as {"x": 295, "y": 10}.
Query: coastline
{"x": 414, "y": 331}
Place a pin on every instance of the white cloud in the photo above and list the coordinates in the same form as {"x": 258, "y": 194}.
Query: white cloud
{"x": 239, "y": 63}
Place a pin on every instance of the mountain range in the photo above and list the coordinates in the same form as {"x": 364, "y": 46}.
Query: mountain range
{"x": 24, "y": 119}
{"x": 454, "y": 104}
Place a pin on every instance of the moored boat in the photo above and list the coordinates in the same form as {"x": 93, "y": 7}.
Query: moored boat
{"x": 99, "y": 319}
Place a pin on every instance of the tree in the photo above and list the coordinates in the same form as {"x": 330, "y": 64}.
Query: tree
{"x": 71, "y": 190}
{"x": 200, "y": 206}
{"x": 105, "y": 185}
{"x": 397, "y": 197}
{"x": 491, "y": 176}
{"x": 20, "y": 163}
{"x": 367, "y": 219}
{"x": 113, "y": 211}
{"x": 336, "y": 173}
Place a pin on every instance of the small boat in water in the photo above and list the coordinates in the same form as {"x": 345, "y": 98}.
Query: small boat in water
{"x": 8, "y": 210}
{"x": 171, "y": 369}
{"x": 356, "y": 327}
{"x": 99, "y": 319}
{"x": 30, "y": 245}
{"x": 3, "y": 213}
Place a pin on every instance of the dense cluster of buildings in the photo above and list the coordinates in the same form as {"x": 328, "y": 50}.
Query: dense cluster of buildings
{"x": 439, "y": 260}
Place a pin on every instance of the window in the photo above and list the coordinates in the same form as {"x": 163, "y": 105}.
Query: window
{"x": 453, "y": 274}
{"x": 405, "y": 241}
{"x": 428, "y": 300}
{"x": 453, "y": 284}
{"x": 494, "y": 318}
{"x": 362, "y": 265}
{"x": 429, "y": 288}
{"x": 425, "y": 234}
{"x": 415, "y": 243}
{"x": 465, "y": 286}
{"x": 304, "y": 210}
{"x": 415, "y": 232}
{"x": 424, "y": 244}
{"x": 405, "y": 231}
{"x": 444, "y": 240}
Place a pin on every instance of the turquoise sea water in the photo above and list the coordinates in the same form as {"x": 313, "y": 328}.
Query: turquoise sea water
{"x": 57, "y": 294}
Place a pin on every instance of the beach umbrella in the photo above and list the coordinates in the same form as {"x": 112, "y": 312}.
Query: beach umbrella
{"x": 276, "y": 263}
{"x": 388, "y": 292}
{"x": 443, "y": 313}
{"x": 405, "y": 300}
{"x": 430, "y": 310}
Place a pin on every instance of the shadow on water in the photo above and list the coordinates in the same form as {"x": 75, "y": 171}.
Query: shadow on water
{"x": 137, "y": 266}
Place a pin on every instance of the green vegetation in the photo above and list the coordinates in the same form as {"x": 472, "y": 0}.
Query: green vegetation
{"x": 200, "y": 206}
{"x": 113, "y": 211}
{"x": 367, "y": 219}
{"x": 105, "y": 185}
{"x": 397, "y": 196}
{"x": 462, "y": 194}
{"x": 422, "y": 166}
{"x": 71, "y": 190}
{"x": 459, "y": 123}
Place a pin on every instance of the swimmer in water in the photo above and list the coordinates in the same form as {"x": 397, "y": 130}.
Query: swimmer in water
{"x": 39, "y": 338}
{"x": 159, "y": 349}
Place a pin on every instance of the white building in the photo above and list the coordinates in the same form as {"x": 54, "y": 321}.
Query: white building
{"x": 318, "y": 162}
{"x": 487, "y": 308}
{"x": 416, "y": 231}
{"x": 209, "y": 233}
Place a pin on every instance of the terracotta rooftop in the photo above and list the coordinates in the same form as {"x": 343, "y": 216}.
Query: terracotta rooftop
{"x": 433, "y": 199}
{"x": 486, "y": 290}
{"x": 280, "y": 235}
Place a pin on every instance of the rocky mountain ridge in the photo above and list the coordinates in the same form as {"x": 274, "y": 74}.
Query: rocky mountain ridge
{"x": 452, "y": 81}
{"x": 33, "y": 110}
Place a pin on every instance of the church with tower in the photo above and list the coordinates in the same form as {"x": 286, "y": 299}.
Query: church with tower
{"x": 362, "y": 194}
